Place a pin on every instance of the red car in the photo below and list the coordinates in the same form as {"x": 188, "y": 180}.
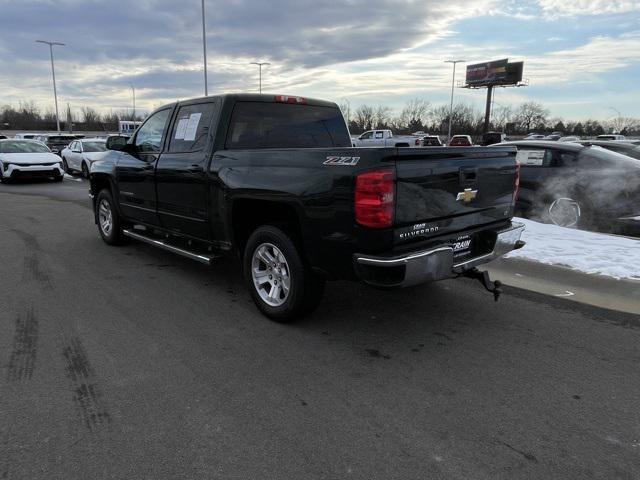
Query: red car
{"x": 461, "y": 141}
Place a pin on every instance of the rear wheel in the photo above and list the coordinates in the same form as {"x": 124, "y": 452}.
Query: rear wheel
{"x": 281, "y": 284}
{"x": 109, "y": 222}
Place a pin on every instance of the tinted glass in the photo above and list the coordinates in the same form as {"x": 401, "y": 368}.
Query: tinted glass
{"x": 366, "y": 136}
{"x": 149, "y": 137}
{"x": 597, "y": 157}
{"x": 282, "y": 125}
{"x": 61, "y": 138}
{"x": 19, "y": 146}
{"x": 94, "y": 146}
{"x": 190, "y": 131}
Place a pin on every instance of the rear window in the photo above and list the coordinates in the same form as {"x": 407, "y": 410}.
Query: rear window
{"x": 62, "y": 138}
{"x": 283, "y": 125}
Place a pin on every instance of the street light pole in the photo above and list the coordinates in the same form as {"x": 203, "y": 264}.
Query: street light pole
{"x": 204, "y": 51}
{"x": 453, "y": 81}
{"x": 260, "y": 64}
{"x": 133, "y": 90}
{"x": 53, "y": 73}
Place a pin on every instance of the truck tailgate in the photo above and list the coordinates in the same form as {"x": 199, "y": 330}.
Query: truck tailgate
{"x": 447, "y": 190}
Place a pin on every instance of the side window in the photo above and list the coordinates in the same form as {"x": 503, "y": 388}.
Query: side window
{"x": 534, "y": 157}
{"x": 379, "y": 134}
{"x": 190, "y": 131}
{"x": 366, "y": 136}
{"x": 149, "y": 137}
{"x": 72, "y": 146}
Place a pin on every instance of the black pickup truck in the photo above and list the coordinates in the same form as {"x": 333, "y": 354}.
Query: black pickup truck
{"x": 275, "y": 179}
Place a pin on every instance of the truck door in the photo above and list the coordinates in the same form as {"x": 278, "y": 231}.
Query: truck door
{"x": 135, "y": 171}
{"x": 181, "y": 177}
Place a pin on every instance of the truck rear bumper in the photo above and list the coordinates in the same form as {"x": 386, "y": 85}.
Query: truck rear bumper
{"x": 437, "y": 263}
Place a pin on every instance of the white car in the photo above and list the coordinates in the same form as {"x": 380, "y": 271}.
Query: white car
{"x": 610, "y": 136}
{"x": 80, "y": 154}
{"x": 28, "y": 158}
{"x": 385, "y": 138}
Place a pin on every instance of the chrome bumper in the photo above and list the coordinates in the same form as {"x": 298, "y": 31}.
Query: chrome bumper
{"x": 430, "y": 265}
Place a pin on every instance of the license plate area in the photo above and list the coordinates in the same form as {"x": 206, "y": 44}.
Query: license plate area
{"x": 462, "y": 246}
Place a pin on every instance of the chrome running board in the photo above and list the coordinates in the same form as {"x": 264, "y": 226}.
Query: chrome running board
{"x": 198, "y": 257}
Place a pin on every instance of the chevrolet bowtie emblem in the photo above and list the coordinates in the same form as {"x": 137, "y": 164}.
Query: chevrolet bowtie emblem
{"x": 467, "y": 195}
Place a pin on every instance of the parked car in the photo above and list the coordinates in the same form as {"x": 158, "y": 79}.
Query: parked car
{"x": 534, "y": 136}
{"x": 25, "y": 136}
{"x": 28, "y": 159}
{"x": 80, "y": 154}
{"x": 490, "y": 138}
{"x": 569, "y": 138}
{"x": 610, "y": 136}
{"x": 55, "y": 142}
{"x": 431, "y": 141}
{"x": 571, "y": 185}
{"x": 554, "y": 137}
{"x": 275, "y": 179}
{"x": 2, "y": 137}
{"x": 461, "y": 141}
{"x": 625, "y": 148}
{"x": 386, "y": 138}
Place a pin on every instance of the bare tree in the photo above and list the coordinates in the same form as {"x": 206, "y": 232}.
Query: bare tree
{"x": 502, "y": 115}
{"x": 414, "y": 115}
{"x": 531, "y": 114}
{"x": 363, "y": 117}
{"x": 621, "y": 124}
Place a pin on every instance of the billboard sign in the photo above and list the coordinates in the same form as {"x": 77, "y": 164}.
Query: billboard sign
{"x": 498, "y": 72}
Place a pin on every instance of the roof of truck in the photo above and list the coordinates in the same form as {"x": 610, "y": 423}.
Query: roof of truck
{"x": 256, "y": 97}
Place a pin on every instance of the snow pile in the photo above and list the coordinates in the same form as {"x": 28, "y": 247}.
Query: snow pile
{"x": 588, "y": 252}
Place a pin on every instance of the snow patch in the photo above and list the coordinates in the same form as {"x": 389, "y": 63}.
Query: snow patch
{"x": 588, "y": 252}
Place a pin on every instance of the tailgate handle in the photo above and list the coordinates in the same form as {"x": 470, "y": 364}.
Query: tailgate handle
{"x": 468, "y": 175}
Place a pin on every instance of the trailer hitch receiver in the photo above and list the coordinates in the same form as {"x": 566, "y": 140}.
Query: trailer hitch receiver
{"x": 487, "y": 283}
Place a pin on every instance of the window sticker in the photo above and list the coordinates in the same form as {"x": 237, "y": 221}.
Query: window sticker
{"x": 533, "y": 158}
{"x": 181, "y": 128}
{"x": 192, "y": 126}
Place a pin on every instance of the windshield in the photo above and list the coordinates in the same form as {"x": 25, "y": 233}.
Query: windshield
{"x": 21, "y": 146}
{"x": 94, "y": 146}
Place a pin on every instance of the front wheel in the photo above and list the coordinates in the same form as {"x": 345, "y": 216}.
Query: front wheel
{"x": 85, "y": 170}
{"x": 281, "y": 284}
{"x": 109, "y": 222}
{"x": 65, "y": 166}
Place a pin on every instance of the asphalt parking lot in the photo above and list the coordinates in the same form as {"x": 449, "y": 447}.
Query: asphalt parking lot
{"x": 131, "y": 362}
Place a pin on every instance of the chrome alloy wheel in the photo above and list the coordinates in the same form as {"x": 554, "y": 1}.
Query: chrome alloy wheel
{"x": 105, "y": 217}
{"x": 270, "y": 273}
{"x": 565, "y": 212}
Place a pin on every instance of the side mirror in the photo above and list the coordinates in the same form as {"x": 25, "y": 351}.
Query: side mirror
{"x": 117, "y": 142}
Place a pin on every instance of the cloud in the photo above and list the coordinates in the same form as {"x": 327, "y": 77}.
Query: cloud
{"x": 558, "y": 8}
{"x": 154, "y": 43}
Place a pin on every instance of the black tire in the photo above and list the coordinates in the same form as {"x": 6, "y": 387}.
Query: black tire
{"x": 65, "y": 166}
{"x": 114, "y": 235}
{"x": 85, "y": 170}
{"x": 306, "y": 288}
{"x": 58, "y": 178}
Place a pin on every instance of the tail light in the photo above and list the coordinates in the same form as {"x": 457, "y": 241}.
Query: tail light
{"x": 287, "y": 99}
{"x": 375, "y": 198}
{"x": 516, "y": 188}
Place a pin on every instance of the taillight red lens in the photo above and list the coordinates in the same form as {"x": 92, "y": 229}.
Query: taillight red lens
{"x": 375, "y": 198}
{"x": 516, "y": 189}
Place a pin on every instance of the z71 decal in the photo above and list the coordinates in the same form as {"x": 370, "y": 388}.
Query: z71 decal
{"x": 347, "y": 161}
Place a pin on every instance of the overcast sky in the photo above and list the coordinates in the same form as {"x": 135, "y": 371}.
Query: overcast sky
{"x": 582, "y": 57}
